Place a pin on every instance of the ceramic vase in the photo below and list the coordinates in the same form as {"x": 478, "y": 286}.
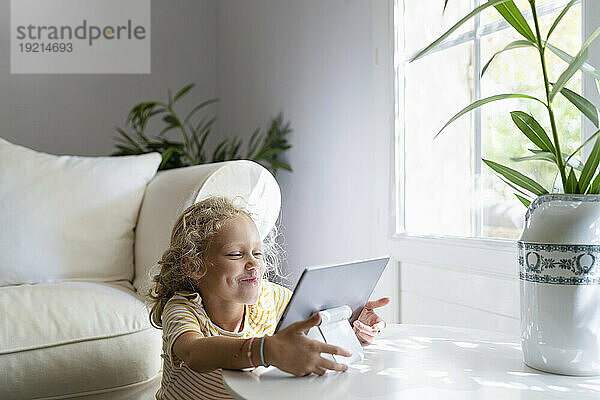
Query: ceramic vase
{"x": 559, "y": 271}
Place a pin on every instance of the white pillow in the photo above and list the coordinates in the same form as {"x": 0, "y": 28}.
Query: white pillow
{"x": 68, "y": 218}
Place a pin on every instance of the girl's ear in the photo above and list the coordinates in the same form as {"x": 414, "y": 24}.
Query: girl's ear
{"x": 188, "y": 269}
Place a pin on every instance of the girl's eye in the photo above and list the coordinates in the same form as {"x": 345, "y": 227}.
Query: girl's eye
{"x": 256, "y": 254}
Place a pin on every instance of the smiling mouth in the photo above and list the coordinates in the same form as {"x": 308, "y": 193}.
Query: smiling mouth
{"x": 252, "y": 280}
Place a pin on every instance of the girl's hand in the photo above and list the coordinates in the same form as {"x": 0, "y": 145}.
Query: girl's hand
{"x": 368, "y": 323}
{"x": 291, "y": 351}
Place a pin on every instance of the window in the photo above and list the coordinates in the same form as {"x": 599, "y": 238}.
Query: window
{"x": 443, "y": 188}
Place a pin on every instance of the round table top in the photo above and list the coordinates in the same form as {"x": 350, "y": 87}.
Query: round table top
{"x": 422, "y": 362}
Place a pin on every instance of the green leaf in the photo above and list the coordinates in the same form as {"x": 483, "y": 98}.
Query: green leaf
{"x": 571, "y": 183}
{"x": 143, "y": 137}
{"x": 205, "y": 124}
{"x": 183, "y": 91}
{"x": 445, "y": 4}
{"x": 481, "y": 102}
{"x": 166, "y": 129}
{"x": 576, "y": 64}
{"x": 198, "y": 107}
{"x": 533, "y": 130}
{"x": 273, "y": 143}
{"x": 541, "y": 156}
{"x": 455, "y": 27}
{"x": 267, "y": 153}
{"x": 232, "y": 151}
{"x": 513, "y": 187}
{"x": 129, "y": 139}
{"x": 595, "y": 186}
{"x": 513, "y": 16}
{"x": 171, "y": 120}
{"x": 582, "y": 104}
{"x": 586, "y": 68}
{"x": 134, "y": 112}
{"x": 253, "y": 143}
{"x": 523, "y": 200}
{"x": 583, "y": 144}
{"x": 170, "y": 143}
{"x": 512, "y": 45}
{"x": 165, "y": 157}
{"x": 560, "y": 16}
{"x": 204, "y": 131}
{"x": 590, "y": 166}
{"x": 551, "y": 157}
{"x": 219, "y": 152}
{"x": 517, "y": 178}
{"x": 140, "y": 111}
{"x": 125, "y": 151}
{"x": 568, "y": 73}
{"x": 159, "y": 111}
{"x": 280, "y": 164}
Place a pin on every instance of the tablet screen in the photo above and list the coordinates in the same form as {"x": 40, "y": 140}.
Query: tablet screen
{"x": 324, "y": 287}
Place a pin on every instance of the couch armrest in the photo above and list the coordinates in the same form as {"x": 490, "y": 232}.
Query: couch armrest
{"x": 172, "y": 191}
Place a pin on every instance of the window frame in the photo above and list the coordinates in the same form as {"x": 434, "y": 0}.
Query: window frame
{"x": 490, "y": 255}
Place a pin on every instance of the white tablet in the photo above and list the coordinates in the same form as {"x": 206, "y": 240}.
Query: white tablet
{"x": 325, "y": 287}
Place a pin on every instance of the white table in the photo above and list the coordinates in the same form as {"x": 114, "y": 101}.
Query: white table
{"x": 422, "y": 362}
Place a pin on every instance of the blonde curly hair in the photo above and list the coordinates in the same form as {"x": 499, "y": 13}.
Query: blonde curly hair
{"x": 190, "y": 240}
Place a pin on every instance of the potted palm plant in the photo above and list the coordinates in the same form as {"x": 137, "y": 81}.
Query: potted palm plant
{"x": 189, "y": 148}
{"x": 559, "y": 249}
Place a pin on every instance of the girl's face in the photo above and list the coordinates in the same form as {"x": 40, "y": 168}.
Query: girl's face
{"x": 236, "y": 266}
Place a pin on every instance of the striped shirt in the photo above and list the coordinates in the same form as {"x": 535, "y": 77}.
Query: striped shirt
{"x": 183, "y": 313}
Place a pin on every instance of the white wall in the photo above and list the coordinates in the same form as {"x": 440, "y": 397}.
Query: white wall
{"x": 77, "y": 114}
{"x": 456, "y": 282}
{"x": 315, "y": 61}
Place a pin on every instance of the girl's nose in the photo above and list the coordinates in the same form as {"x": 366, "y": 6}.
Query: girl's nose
{"x": 252, "y": 262}
{"x": 251, "y": 266}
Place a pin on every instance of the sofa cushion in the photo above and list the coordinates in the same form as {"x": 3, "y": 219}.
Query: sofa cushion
{"x": 68, "y": 217}
{"x": 74, "y": 337}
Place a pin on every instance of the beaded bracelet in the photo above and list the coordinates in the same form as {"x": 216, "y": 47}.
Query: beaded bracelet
{"x": 240, "y": 349}
{"x": 262, "y": 354}
{"x": 250, "y": 353}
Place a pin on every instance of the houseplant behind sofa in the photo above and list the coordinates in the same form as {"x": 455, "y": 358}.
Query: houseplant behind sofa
{"x": 189, "y": 147}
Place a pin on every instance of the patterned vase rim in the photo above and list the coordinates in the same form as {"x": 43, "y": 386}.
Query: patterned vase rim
{"x": 546, "y": 198}
{"x": 529, "y": 242}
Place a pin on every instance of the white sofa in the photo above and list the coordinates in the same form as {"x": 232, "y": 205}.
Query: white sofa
{"x": 73, "y": 338}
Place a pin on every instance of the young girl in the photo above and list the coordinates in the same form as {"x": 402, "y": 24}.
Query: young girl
{"x": 216, "y": 309}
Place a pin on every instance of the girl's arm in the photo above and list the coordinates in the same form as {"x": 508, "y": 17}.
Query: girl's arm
{"x": 289, "y": 350}
{"x": 204, "y": 354}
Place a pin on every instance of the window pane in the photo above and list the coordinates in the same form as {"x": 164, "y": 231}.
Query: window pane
{"x": 439, "y": 180}
{"x": 424, "y": 22}
{"x": 439, "y": 176}
{"x": 519, "y": 71}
